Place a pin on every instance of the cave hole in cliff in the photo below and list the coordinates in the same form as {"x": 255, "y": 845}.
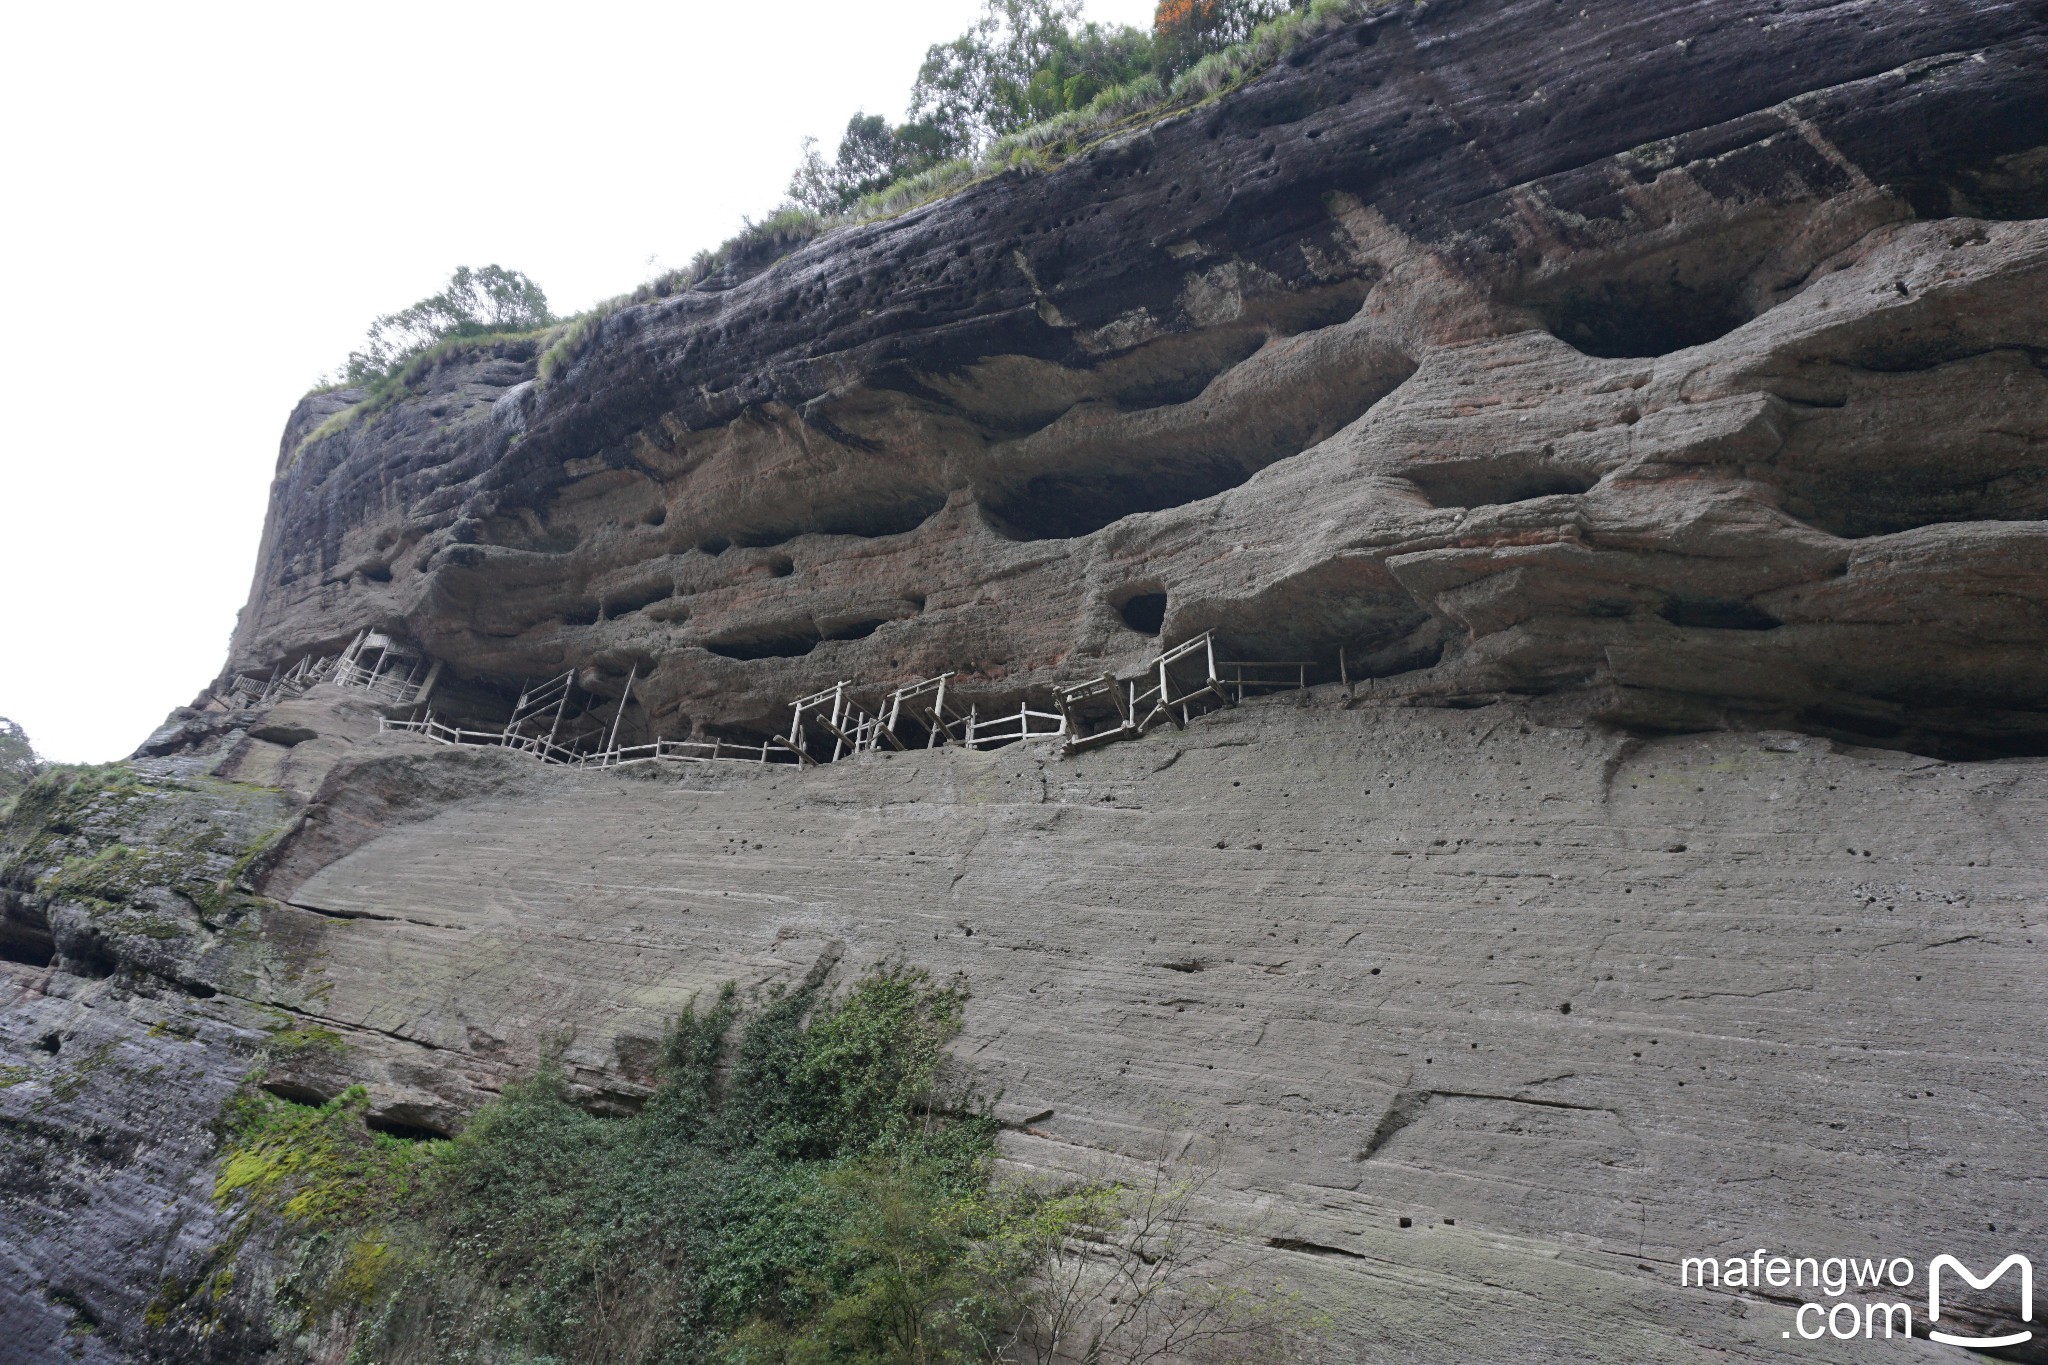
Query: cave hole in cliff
{"x": 637, "y": 598}
{"x": 30, "y": 945}
{"x": 1144, "y": 612}
{"x": 1495, "y": 481}
{"x": 1181, "y": 374}
{"x": 893, "y": 516}
{"x": 714, "y": 545}
{"x": 857, "y": 630}
{"x": 2007, "y": 188}
{"x": 1714, "y": 613}
{"x": 399, "y": 1128}
{"x": 88, "y": 956}
{"x": 1061, "y": 506}
{"x": 85, "y": 1320}
{"x": 773, "y": 642}
{"x": 1989, "y": 482}
{"x": 1831, "y": 718}
{"x": 298, "y": 1092}
{"x": 1630, "y": 319}
{"x": 473, "y": 703}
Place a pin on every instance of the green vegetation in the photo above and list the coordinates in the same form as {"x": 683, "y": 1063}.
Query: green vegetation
{"x": 112, "y": 875}
{"x": 96, "y": 835}
{"x": 318, "y": 1167}
{"x": 568, "y": 342}
{"x": 322, "y": 1173}
{"x": 798, "y": 1189}
{"x": 475, "y": 304}
{"x": 384, "y": 391}
{"x": 1028, "y": 87}
{"x": 1024, "y": 64}
{"x": 18, "y": 763}
{"x": 40, "y": 820}
{"x": 295, "y": 1042}
{"x": 478, "y": 309}
{"x": 152, "y": 862}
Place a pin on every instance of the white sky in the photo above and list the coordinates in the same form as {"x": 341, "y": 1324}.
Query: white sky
{"x": 205, "y": 205}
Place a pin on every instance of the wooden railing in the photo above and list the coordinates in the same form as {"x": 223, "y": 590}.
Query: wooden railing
{"x": 1000, "y": 730}
{"x": 1178, "y": 685}
{"x": 660, "y": 751}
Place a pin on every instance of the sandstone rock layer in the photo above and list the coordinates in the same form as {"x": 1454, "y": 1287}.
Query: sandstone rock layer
{"x": 1643, "y": 406}
{"x": 1684, "y": 360}
{"x": 1574, "y": 1006}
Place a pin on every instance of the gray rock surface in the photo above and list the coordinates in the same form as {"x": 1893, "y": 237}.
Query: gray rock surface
{"x": 1645, "y": 403}
{"x": 108, "y": 1100}
{"x": 1605, "y": 1003}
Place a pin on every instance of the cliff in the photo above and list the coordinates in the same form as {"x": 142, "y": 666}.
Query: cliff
{"x": 1631, "y": 417}
{"x": 1681, "y": 358}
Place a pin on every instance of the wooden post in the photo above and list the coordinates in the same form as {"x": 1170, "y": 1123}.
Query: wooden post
{"x": 838, "y": 699}
{"x": 612, "y": 743}
{"x": 560, "y": 705}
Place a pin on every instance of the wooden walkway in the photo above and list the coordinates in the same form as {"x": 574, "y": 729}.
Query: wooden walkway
{"x": 1178, "y": 686}
{"x": 376, "y": 663}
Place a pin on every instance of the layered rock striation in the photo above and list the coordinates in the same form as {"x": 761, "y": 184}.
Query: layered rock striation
{"x": 1684, "y": 361}
{"x": 1643, "y": 406}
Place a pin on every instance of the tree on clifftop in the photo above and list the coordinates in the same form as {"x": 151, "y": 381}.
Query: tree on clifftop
{"x": 872, "y": 156}
{"x": 18, "y": 762}
{"x": 1185, "y": 31}
{"x": 1023, "y": 61}
{"x": 475, "y": 302}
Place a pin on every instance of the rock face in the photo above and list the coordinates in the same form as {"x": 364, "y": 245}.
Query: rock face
{"x": 1495, "y": 1021}
{"x": 1684, "y": 359}
{"x": 1645, "y": 405}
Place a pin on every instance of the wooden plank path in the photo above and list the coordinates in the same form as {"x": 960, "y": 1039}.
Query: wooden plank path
{"x": 1178, "y": 686}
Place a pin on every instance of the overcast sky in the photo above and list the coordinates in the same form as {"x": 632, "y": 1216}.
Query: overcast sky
{"x": 206, "y": 205}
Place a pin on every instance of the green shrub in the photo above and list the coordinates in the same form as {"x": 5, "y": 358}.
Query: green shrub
{"x": 474, "y": 303}
{"x": 1022, "y": 91}
{"x": 794, "y": 1187}
{"x": 384, "y": 391}
{"x": 799, "y": 1189}
{"x": 38, "y": 823}
{"x": 317, "y": 1166}
{"x": 18, "y": 762}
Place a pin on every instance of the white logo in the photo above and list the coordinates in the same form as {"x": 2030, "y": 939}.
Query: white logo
{"x": 2026, "y": 1298}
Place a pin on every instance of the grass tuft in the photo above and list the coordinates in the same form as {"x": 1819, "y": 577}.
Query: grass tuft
{"x": 401, "y": 383}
